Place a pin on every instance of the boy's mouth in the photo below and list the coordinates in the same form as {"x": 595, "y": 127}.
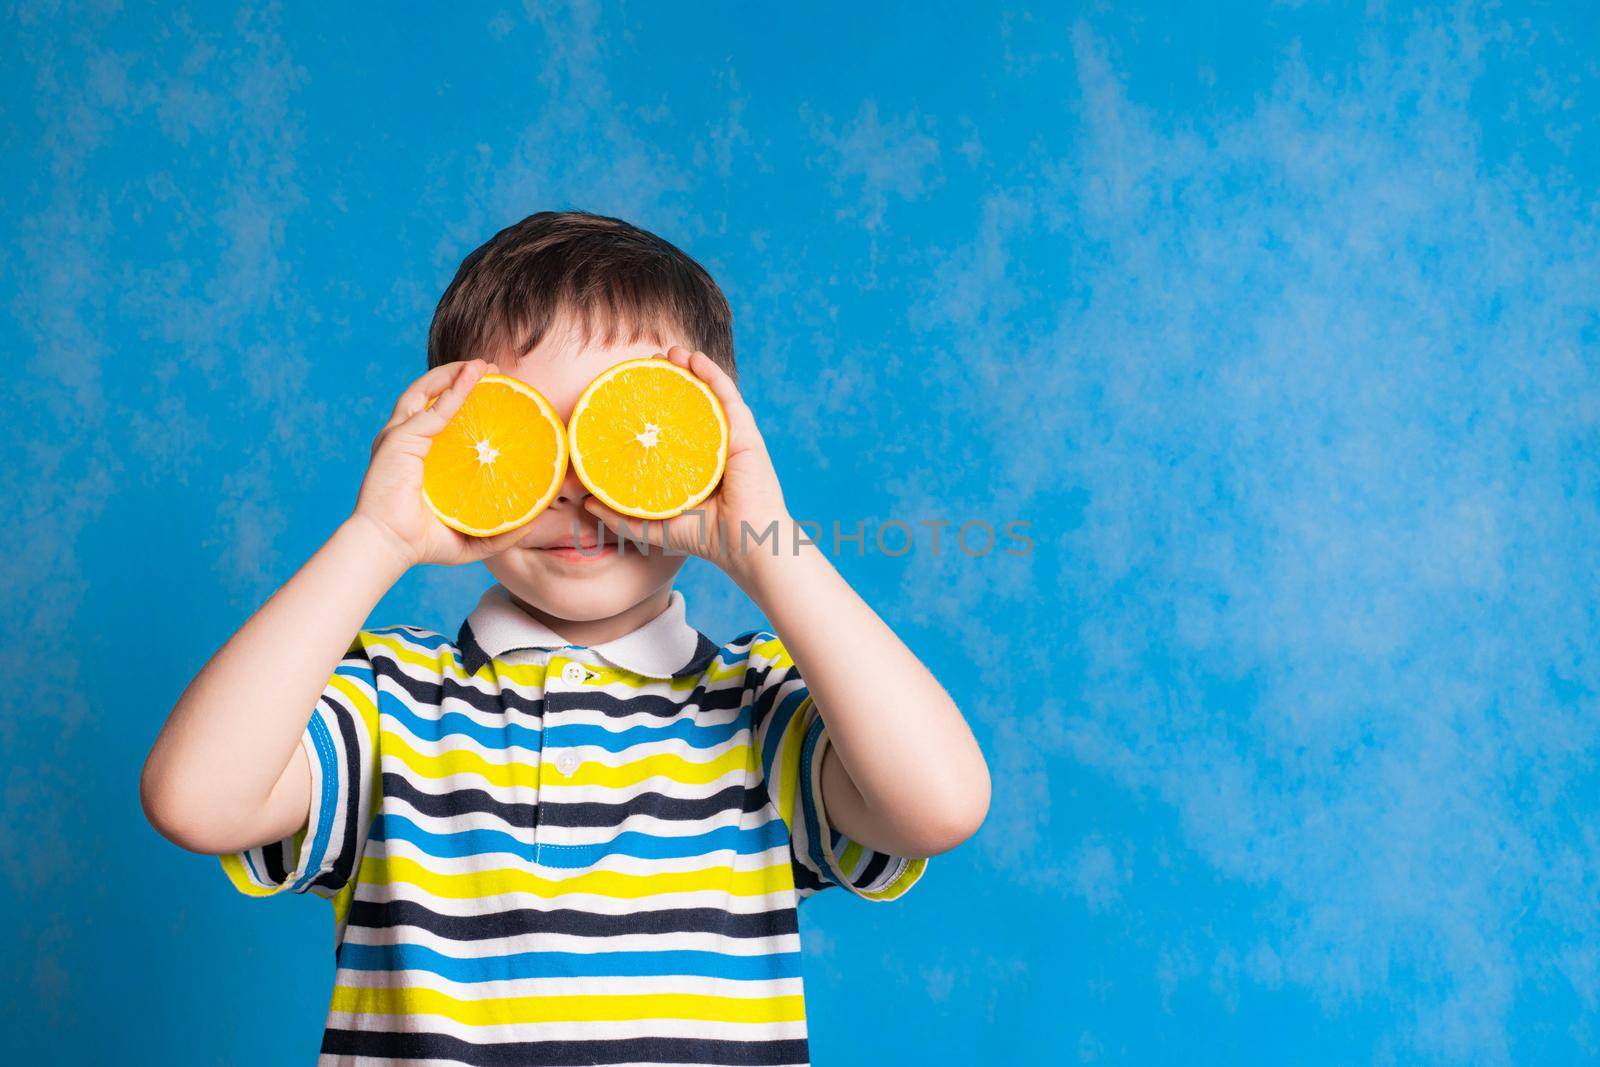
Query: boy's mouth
{"x": 580, "y": 553}
{"x": 590, "y": 545}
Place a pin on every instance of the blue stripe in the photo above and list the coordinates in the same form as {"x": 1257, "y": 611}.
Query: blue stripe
{"x": 455, "y": 723}
{"x": 329, "y": 759}
{"x": 548, "y": 964}
{"x": 777, "y": 726}
{"x": 250, "y": 862}
{"x": 499, "y": 737}
{"x": 685, "y": 729}
{"x": 741, "y": 841}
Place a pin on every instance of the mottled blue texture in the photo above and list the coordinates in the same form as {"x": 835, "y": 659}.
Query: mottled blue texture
{"x": 1278, "y": 324}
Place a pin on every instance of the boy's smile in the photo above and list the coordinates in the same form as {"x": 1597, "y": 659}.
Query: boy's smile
{"x": 569, "y": 571}
{"x": 583, "y": 547}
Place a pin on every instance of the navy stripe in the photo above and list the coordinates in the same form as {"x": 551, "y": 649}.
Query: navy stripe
{"x": 458, "y": 802}
{"x": 873, "y": 869}
{"x": 437, "y": 693}
{"x": 344, "y": 864}
{"x": 688, "y": 1050}
{"x": 598, "y": 814}
{"x": 274, "y": 860}
{"x": 807, "y": 787}
{"x": 522, "y": 922}
{"x": 652, "y": 704}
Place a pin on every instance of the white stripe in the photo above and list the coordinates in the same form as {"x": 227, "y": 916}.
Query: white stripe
{"x": 582, "y": 1031}
{"x": 666, "y": 941}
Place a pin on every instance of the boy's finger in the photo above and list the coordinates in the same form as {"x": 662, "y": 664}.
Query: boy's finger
{"x": 442, "y": 408}
{"x": 415, "y": 398}
{"x": 506, "y": 538}
{"x": 723, "y": 388}
{"x": 649, "y": 531}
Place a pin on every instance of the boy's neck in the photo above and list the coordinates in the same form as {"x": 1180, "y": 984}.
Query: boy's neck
{"x": 591, "y": 632}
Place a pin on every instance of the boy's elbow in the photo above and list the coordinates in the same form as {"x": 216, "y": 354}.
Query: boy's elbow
{"x": 974, "y": 810}
{"x": 965, "y": 805}
{"x": 160, "y": 809}
{"x": 967, "y": 821}
{"x": 172, "y": 816}
{"x": 959, "y": 823}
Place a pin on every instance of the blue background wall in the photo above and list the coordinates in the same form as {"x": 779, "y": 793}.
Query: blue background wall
{"x": 1277, "y": 323}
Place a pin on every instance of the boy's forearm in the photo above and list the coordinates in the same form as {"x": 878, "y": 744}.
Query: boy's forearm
{"x": 234, "y": 729}
{"x": 903, "y": 742}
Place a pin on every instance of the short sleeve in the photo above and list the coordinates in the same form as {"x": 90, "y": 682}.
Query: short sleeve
{"x": 340, "y": 742}
{"x": 793, "y": 738}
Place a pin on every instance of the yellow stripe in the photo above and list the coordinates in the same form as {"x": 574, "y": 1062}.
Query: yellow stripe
{"x": 621, "y": 885}
{"x": 788, "y": 770}
{"x": 456, "y": 761}
{"x": 721, "y": 670}
{"x": 233, "y": 865}
{"x": 907, "y": 878}
{"x": 505, "y": 1011}
{"x": 773, "y": 652}
{"x": 238, "y": 871}
{"x": 591, "y": 772}
{"x": 341, "y": 904}
{"x": 432, "y": 660}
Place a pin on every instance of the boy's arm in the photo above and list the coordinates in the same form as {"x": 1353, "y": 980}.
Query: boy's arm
{"x": 223, "y": 774}
{"x": 219, "y": 777}
{"x": 903, "y": 773}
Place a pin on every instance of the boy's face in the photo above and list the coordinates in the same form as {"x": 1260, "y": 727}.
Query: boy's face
{"x": 562, "y": 581}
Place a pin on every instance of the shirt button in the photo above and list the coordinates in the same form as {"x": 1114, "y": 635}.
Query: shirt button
{"x": 567, "y": 762}
{"x": 573, "y": 673}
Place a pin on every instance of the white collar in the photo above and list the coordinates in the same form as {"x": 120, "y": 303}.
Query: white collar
{"x": 665, "y": 647}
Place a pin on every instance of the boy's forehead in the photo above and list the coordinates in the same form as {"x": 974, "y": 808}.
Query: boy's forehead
{"x": 565, "y": 361}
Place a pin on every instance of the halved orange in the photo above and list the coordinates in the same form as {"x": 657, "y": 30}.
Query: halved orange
{"x": 498, "y": 462}
{"x": 648, "y": 438}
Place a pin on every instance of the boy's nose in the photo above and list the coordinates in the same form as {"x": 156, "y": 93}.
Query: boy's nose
{"x": 572, "y": 491}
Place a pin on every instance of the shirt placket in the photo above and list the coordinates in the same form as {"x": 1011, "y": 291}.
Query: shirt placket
{"x": 566, "y": 679}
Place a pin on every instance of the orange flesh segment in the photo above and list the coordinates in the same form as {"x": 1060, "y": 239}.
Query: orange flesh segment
{"x": 649, "y": 440}
{"x": 498, "y": 462}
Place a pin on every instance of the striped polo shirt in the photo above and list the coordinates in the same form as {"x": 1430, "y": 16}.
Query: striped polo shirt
{"x": 542, "y": 853}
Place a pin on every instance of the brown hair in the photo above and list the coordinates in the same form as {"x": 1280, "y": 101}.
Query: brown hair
{"x": 601, "y": 270}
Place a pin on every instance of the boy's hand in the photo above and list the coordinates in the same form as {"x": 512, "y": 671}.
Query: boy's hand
{"x": 748, "y": 493}
{"x": 391, "y": 493}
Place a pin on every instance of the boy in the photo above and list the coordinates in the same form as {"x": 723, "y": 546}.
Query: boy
{"x": 579, "y": 832}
